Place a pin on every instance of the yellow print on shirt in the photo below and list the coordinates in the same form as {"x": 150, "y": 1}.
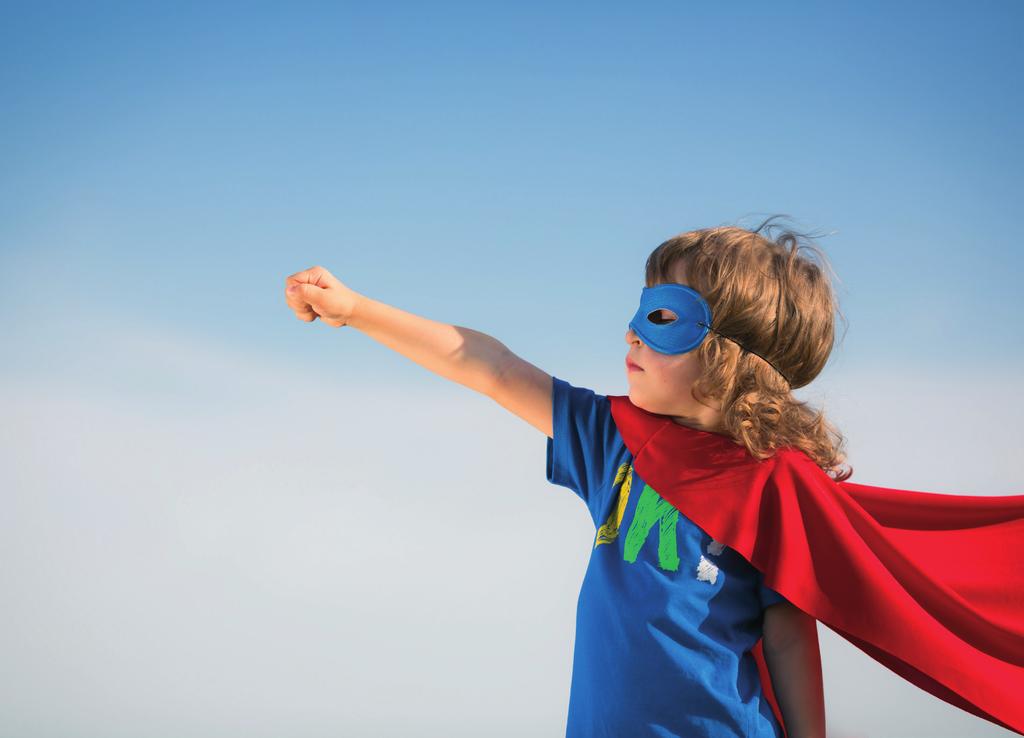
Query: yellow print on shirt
{"x": 610, "y": 530}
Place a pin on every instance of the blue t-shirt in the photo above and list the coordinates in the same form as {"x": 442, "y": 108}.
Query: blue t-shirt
{"x": 666, "y": 615}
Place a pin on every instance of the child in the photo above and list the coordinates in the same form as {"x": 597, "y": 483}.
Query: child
{"x": 724, "y": 526}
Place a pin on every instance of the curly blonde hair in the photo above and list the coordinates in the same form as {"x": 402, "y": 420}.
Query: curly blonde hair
{"x": 780, "y": 305}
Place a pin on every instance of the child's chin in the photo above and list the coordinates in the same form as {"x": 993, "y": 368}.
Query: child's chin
{"x": 637, "y": 399}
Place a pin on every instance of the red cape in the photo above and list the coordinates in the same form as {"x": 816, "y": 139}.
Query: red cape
{"x": 929, "y": 585}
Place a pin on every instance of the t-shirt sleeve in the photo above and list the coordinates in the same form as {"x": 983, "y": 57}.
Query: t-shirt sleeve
{"x": 585, "y": 444}
{"x": 767, "y": 595}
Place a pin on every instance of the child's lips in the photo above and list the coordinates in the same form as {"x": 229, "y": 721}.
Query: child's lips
{"x": 631, "y": 367}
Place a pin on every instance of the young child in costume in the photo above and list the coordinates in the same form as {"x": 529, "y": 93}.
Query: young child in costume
{"x": 724, "y": 525}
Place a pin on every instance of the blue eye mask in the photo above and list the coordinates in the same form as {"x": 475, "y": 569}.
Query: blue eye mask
{"x": 685, "y": 332}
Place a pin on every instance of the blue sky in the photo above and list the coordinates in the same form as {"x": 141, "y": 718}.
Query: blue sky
{"x": 506, "y": 167}
{"x": 485, "y": 153}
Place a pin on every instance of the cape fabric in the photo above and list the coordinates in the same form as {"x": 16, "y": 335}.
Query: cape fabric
{"x": 929, "y": 585}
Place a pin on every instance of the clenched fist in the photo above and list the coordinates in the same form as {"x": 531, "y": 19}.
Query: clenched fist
{"x": 316, "y": 293}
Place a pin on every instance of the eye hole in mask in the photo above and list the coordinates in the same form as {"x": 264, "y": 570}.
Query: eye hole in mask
{"x": 661, "y": 316}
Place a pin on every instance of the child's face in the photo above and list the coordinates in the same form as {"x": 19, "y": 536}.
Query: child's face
{"x": 663, "y": 383}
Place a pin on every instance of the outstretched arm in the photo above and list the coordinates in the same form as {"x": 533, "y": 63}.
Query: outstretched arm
{"x": 471, "y": 358}
{"x": 794, "y": 662}
{"x": 463, "y": 355}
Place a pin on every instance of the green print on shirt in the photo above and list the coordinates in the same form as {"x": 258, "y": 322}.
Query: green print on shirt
{"x": 650, "y": 509}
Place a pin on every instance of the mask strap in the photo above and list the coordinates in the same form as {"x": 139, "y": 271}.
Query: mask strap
{"x": 702, "y": 323}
